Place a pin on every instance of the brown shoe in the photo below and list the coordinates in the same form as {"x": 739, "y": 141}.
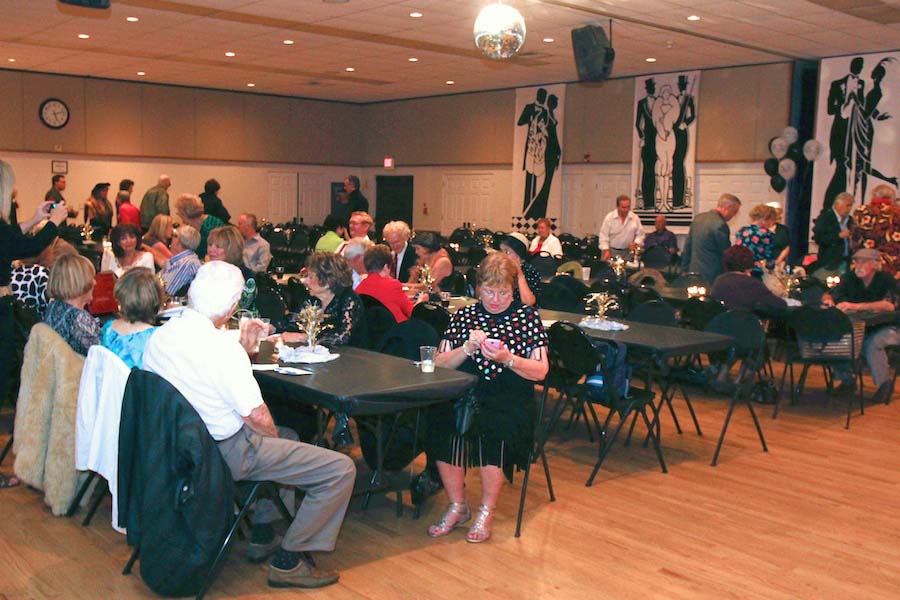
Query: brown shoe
{"x": 304, "y": 575}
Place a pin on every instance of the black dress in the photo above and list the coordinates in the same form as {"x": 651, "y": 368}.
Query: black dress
{"x": 504, "y": 425}
{"x": 346, "y": 316}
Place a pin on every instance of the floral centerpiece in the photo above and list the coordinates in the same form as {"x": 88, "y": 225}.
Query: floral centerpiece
{"x": 311, "y": 321}
{"x": 426, "y": 278}
{"x": 604, "y": 301}
{"x": 618, "y": 266}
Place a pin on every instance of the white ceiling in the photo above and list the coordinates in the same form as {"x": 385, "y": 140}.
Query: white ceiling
{"x": 184, "y": 42}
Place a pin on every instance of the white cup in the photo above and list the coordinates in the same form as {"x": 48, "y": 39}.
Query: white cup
{"x": 426, "y": 355}
{"x": 585, "y": 273}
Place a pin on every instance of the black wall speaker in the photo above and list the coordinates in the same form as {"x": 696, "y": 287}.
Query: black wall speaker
{"x": 87, "y": 3}
{"x": 593, "y": 53}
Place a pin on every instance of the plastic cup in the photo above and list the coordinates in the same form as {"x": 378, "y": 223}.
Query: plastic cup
{"x": 445, "y": 299}
{"x": 426, "y": 354}
{"x": 585, "y": 273}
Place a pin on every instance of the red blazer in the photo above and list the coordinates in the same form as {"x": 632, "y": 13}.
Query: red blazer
{"x": 389, "y": 292}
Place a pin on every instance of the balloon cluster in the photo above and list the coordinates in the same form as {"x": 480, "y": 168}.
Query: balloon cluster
{"x": 788, "y": 153}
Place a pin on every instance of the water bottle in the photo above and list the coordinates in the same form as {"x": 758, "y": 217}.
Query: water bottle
{"x": 248, "y": 297}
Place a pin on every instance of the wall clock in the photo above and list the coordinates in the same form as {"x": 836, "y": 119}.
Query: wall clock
{"x": 54, "y": 113}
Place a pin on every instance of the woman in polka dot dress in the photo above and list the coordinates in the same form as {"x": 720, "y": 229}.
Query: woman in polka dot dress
{"x": 502, "y": 342}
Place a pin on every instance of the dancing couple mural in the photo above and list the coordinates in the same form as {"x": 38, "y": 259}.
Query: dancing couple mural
{"x": 537, "y": 154}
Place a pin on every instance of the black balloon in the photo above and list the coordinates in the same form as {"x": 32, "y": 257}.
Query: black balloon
{"x": 795, "y": 152}
{"x": 771, "y": 167}
{"x": 777, "y": 182}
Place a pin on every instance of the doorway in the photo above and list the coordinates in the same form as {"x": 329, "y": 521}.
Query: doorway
{"x": 394, "y": 199}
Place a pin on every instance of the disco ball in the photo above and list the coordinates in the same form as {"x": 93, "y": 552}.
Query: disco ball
{"x": 499, "y": 31}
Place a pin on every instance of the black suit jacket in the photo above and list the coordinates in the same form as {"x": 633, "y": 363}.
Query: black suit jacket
{"x": 409, "y": 261}
{"x": 826, "y": 233}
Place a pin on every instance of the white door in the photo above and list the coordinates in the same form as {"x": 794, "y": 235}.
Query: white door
{"x": 283, "y": 196}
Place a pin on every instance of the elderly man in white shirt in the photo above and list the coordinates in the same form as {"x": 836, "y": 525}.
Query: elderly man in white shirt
{"x": 212, "y": 370}
{"x": 257, "y": 252}
{"x": 545, "y": 241}
{"x": 621, "y": 231}
{"x": 353, "y": 253}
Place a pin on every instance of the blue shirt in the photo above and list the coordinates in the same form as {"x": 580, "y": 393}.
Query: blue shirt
{"x": 128, "y": 347}
{"x": 180, "y": 270}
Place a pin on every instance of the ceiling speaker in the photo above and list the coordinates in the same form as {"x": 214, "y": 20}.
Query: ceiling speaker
{"x": 593, "y": 51}
{"x": 87, "y": 3}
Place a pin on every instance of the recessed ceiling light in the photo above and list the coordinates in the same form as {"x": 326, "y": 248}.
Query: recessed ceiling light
{"x": 288, "y": 42}
{"x": 349, "y": 69}
{"x": 549, "y": 40}
{"x": 251, "y": 85}
{"x": 141, "y": 73}
{"x": 83, "y": 36}
{"x": 132, "y": 19}
{"x": 416, "y": 15}
{"x": 230, "y": 54}
{"x": 650, "y": 59}
{"x": 11, "y": 59}
{"x": 450, "y": 82}
{"x": 335, "y": 1}
{"x": 693, "y": 18}
{"x": 412, "y": 59}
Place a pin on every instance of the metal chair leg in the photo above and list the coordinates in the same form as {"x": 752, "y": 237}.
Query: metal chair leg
{"x": 7, "y": 448}
{"x": 756, "y": 422}
{"x": 131, "y": 561}
{"x": 73, "y": 506}
{"x": 95, "y": 504}
{"x": 715, "y": 459}
{"x": 606, "y": 443}
{"x": 659, "y": 456}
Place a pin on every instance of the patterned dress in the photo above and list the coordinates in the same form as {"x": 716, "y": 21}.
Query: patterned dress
{"x": 759, "y": 240}
{"x": 504, "y": 425}
{"x": 77, "y": 327}
{"x": 128, "y": 347}
{"x": 878, "y": 227}
{"x": 29, "y": 285}
{"x": 346, "y": 318}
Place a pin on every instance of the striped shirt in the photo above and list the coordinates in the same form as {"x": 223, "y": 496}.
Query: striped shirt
{"x": 180, "y": 270}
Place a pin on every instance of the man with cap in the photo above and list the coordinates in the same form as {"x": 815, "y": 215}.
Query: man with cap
{"x": 528, "y": 285}
{"x": 155, "y": 201}
{"x": 782, "y": 244}
{"x": 99, "y": 210}
{"x": 866, "y": 287}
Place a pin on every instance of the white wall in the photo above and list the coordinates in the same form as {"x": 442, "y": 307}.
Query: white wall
{"x": 245, "y": 186}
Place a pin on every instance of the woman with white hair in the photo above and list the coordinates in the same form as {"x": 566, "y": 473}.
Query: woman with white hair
{"x": 15, "y": 244}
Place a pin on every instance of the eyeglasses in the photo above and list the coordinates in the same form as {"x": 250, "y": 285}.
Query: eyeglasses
{"x": 496, "y": 294}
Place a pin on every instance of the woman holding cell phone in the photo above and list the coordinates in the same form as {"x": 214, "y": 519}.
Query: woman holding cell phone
{"x": 501, "y": 341}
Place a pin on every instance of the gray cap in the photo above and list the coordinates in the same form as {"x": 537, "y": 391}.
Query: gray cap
{"x": 867, "y": 254}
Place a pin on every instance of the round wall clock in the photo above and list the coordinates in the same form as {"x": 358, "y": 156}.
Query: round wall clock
{"x": 54, "y": 113}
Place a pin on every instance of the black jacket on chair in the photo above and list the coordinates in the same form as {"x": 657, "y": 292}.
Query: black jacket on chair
{"x": 175, "y": 490}
{"x": 408, "y": 262}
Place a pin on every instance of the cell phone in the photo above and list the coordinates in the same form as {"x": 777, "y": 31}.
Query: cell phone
{"x": 493, "y": 343}
{"x": 54, "y": 205}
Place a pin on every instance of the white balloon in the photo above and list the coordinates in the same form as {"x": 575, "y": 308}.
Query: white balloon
{"x": 779, "y": 147}
{"x": 790, "y": 134}
{"x": 812, "y": 149}
{"x": 787, "y": 168}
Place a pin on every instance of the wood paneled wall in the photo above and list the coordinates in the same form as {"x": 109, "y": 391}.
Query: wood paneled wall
{"x": 117, "y": 118}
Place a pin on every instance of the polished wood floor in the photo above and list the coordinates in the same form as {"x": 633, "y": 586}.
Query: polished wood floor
{"x": 815, "y": 517}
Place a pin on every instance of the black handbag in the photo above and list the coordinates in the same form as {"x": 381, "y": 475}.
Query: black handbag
{"x": 466, "y": 408}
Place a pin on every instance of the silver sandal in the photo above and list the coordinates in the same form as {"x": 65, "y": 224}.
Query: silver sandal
{"x": 456, "y": 514}
{"x": 480, "y": 531}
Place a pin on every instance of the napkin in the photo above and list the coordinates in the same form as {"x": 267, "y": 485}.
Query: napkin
{"x": 303, "y": 354}
{"x": 602, "y": 324}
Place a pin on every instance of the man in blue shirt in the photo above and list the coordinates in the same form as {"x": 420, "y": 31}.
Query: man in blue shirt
{"x": 179, "y": 271}
{"x": 661, "y": 236}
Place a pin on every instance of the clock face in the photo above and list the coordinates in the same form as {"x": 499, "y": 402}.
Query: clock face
{"x": 54, "y": 113}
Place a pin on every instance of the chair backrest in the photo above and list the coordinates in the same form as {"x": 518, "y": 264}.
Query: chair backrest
{"x": 299, "y": 294}
{"x": 300, "y": 239}
{"x": 379, "y": 320}
{"x": 471, "y": 281}
{"x": 559, "y": 296}
{"x": 545, "y": 264}
{"x": 811, "y": 292}
{"x": 571, "y": 354}
{"x": 655, "y": 312}
{"x": 576, "y": 285}
{"x": 826, "y": 333}
{"x": 434, "y": 314}
{"x": 271, "y": 306}
{"x": 572, "y": 267}
{"x": 657, "y": 257}
{"x": 748, "y": 333}
{"x": 455, "y": 283}
{"x": 697, "y": 312}
{"x": 638, "y": 295}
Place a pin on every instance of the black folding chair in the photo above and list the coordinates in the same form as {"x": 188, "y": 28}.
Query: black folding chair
{"x": 299, "y": 294}
{"x": 750, "y": 348}
{"x": 434, "y": 314}
{"x": 455, "y": 283}
{"x": 272, "y": 306}
{"x": 825, "y": 337}
{"x": 545, "y": 264}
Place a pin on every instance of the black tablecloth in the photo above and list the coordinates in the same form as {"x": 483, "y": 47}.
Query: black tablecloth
{"x": 658, "y": 340}
{"x": 361, "y": 382}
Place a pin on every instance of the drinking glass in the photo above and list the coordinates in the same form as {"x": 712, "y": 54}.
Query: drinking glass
{"x": 426, "y": 354}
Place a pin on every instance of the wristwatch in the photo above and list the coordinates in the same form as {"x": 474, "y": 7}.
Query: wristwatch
{"x": 508, "y": 364}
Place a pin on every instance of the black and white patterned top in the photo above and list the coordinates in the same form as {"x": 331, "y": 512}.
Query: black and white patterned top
{"x": 29, "y": 285}
{"x": 519, "y": 327}
{"x": 535, "y": 284}
{"x": 78, "y": 327}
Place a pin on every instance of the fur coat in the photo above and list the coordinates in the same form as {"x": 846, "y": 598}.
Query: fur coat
{"x": 45, "y": 417}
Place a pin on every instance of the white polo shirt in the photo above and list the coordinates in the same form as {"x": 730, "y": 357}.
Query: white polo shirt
{"x": 618, "y": 234}
{"x": 209, "y": 367}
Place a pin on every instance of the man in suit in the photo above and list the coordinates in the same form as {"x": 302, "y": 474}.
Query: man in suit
{"x": 708, "y": 239}
{"x": 831, "y": 232}
{"x": 534, "y": 115}
{"x": 356, "y": 202}
{"x": 646, "y": 131}
{"x": 396, "y": 234}
{"x": 843, "y": 96}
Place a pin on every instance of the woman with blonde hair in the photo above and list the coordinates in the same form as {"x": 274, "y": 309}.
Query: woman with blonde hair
{"x": 71, "y": 288}
{"x": 158, "y": 237}
{"x": 503, "y": 343}
{"x": 139, "y": 295}
{"x": 227, "y": 244}
{"x": 190, "y": 209}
